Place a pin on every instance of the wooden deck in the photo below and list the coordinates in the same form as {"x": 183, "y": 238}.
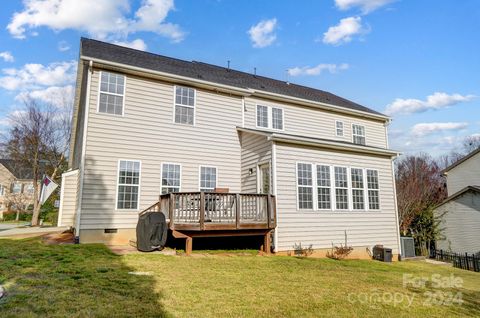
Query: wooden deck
{"x": 208, "y": 214}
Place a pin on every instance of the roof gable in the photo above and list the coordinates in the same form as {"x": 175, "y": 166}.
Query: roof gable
{"x": 461, "y": 161}
{"x": 212, "y": 73}
{"x": 16, "y": 170}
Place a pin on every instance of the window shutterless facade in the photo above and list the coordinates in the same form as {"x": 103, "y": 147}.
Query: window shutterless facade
{"x": 339, "y": 128}
{"x": 305, "y": 186}
{"x": 112, "y": 93}
{"x": 323, "y": 187}
{"x": 270, "y": 117}
{"x": 184, "y": 105}
{"x": 128, "y": 185}
{"x": 17, "y": 187}
{"x": 208, "y": 178}
{"x": 373, "y": 190}
{"x": 171, "y": 175}
{"x": 341, "y": 188}
{"x": 357, "y": 189}
{"x": 358, "y": 133}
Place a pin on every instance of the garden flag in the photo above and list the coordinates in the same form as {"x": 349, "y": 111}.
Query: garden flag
{"x": 48, "y": 186}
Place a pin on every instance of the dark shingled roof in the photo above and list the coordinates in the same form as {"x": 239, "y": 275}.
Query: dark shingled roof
{"x": 211, "y": 73}
{"x": 19, "y": 172}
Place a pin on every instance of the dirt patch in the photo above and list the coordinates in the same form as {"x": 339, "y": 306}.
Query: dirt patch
{"x": 66, "y": 237}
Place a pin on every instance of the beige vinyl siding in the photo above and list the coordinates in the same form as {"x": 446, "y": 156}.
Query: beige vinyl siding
{"x": 317, "y": 123}
{"x": 461, "y": 224}
{"x": 256, "y": 149}
{"x": 68, "y": 204}
{"x": 322, "y": 228}
{"x": 147, "y": 133}
{"x": 465, "y": 174}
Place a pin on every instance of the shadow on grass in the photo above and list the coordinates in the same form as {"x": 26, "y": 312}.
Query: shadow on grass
{"x": 72, "y": 281}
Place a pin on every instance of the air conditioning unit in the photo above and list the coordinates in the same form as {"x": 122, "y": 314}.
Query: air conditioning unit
{"x": 408, "y": 247}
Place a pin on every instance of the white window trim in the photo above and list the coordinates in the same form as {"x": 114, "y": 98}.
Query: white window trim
{"x": 343, "y": 128}
{"x": 200, "y": 176}
{"x": 367, "y": 206}
{"x": 332, "y": 197}
{"x": 269, "y": 117}
{"x": 161, "y": 175}
{"x": 364, "y": 134}
{"x": 139, "y": 185}
{"x": 363, "y": 188}
{"x": 99, "y": 91}
{"x": 259, "y": 182}
{"x": 349, "y": 189}
{"x": 189, "y": 106}
{"x": 2, "y": 190}
{"x": 313, "y": 186}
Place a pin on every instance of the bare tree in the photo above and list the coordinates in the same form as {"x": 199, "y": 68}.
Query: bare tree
{"x": 471, "y": 143}
{"x": 419, "y": 188}
{"x": 38, "y": 139}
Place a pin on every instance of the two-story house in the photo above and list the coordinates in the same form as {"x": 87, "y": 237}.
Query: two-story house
{"x": 460, "y": 212}
{"x": 16, "y": 187}
{"x": 146, "y": 125}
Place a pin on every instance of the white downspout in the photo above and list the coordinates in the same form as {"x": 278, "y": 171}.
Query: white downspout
{"x": 84, "y": 147}
{"x": 274, "y": 188}
{"x": 396, "y": 210}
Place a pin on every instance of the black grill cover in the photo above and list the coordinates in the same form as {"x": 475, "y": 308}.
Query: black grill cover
{"x": 151, "y": 232}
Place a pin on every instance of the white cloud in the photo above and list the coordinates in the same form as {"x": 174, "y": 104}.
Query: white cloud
{"x": 317, "y": 70}
{"x": 423, "y": 129}
{"x": 59, "y": 96}
{"x": 35, "y": 76}
{"x": 100, "y": 18}
{"x": 137, "y": 44}
{"x": 263, "y": 33}
{"x": 63, "y": 46}
{"x": 435, "y": 101}
{"x": 366, "y": 6}
{"x": 7, "y": 56}
{"x": 344, "y": 31}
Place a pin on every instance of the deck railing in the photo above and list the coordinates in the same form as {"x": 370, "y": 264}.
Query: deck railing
{"x": 217, "y": 211}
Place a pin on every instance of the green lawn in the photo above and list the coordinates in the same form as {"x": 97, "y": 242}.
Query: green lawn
{"x": 90, "y": 281}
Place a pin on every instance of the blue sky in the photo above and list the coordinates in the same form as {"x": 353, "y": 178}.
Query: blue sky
{"x": 416, "y": 60}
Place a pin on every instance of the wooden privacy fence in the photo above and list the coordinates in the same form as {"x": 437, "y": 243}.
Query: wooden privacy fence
{"x": 459, "y": 260}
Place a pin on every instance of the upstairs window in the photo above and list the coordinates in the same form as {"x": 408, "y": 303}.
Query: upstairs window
{"x": 269, "y": 117}
{"x": 373, "y": 189}
{"x": 357, "y": 189}
{"x": 128, "y": 185}
{"x": 2, "y": 190}
{"x": 305, "y": 186}
{"x": 112, "y": 91}
{"x": 208, "y": 179}
{"x": 29, "y": 188}
{"x": 341, "y": 188}
{"x": 339, "y": 128}
{"x": 170, "y": 178}
{"x": 358, "y": 133}
{"x": 184, "y": 105}
{"x": 16, "y": 188}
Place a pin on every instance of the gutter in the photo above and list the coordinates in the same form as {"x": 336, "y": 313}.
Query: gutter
{"x": 236, "y": 90}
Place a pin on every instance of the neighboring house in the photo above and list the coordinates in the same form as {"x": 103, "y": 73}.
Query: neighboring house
{"x": 16, "y": 187}
{"x": 460, "y": 212}
{"x": 146, "y": 124}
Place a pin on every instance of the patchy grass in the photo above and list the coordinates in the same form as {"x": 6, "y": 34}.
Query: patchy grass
{"x": 88, "y": 280}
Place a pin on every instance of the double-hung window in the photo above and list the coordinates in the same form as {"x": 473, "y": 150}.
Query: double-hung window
{"x": 339, "y": 128}
{"x": 128, "y": 184}
{"x": 184, "y": 105}
{"x": 357, "y": 189}
{"x": 269, "y": 117}
{"x": 29, "y": 188}
{"x": 17, "y": 187}
{"x": 208, "y": 179}
{"x": 341, "y": 188}
{"x": 2, "y": 190}
{"x": 373, "y": 189}
{"x": 305, "y": 186}
{"x": 112, "y": 91}
{"x": 358, "y": 133}
{"x": 323, "y": 187}
{"x": 170, "y": 178}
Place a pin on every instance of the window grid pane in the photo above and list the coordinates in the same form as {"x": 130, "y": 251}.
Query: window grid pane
{"x": 128, "y": 184}
{"x": 111, "y": 93}
{"x": 184, "y": 115}
{"x": 341, "y": 188}
{"x": 262, "y": 116}
{"x": 305, "y": 186}
{"x": 339, "y": 128}
{"x": 373, "y": 192}
{"x": 358, "y": 133}
{"x": 357, "y": 189}
{"x": 323, "y": 184}
{"x": 170, "y": 178}
{"x": 184, "y": 105}
{"x": 208, "y": 178}
{"x": 277, "y": 118}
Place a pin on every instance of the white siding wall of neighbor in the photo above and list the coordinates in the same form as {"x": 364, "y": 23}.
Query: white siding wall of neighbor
{"x": 461, "y": 224}
{"x": 255, "y": 150}
{"x": 147, "y": 132}
{"x": 68, "y": 196}
{"x": 322, "y": 228}
{"x": 313, "y": 122}
{"x": 465, "y": 174}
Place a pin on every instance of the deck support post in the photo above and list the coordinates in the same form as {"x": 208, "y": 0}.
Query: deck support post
{"x": 237, "y": 210}
{"x": 188, "y": 245}
{"x": 267, "y": 242}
